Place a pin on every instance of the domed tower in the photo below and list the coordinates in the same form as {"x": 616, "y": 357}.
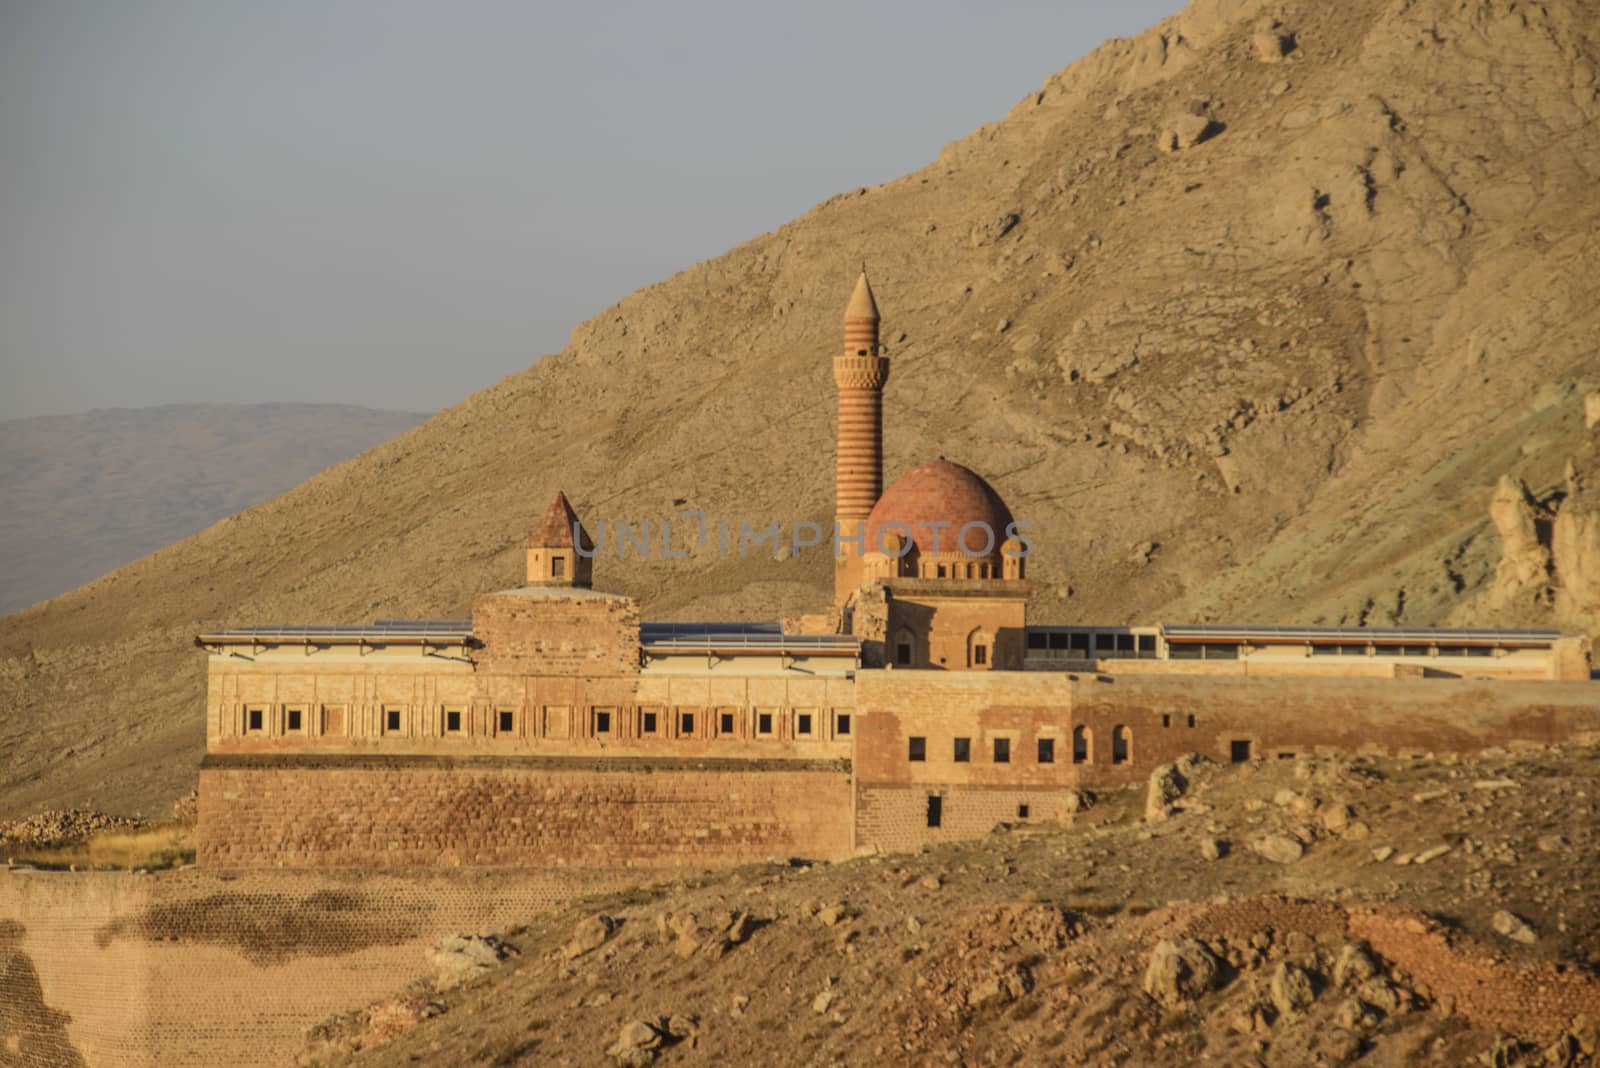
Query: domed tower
{"x": 860, "y": 373}
{"x": 553, "y": 557}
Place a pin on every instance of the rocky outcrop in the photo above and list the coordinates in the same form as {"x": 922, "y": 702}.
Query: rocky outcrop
{"x": 1549, "y": 568}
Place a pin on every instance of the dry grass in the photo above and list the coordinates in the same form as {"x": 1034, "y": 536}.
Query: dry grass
{"x": 165, "y": 845}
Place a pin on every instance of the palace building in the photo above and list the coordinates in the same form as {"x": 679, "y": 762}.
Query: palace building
{"x": 555, "y": 727}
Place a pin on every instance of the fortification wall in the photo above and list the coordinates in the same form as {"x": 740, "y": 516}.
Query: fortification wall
{"x": 326, "y": 810}
{"x": 202, "y": 968}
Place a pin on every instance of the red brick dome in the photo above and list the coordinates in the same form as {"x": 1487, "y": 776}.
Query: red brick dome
{"x": 940, "y": 492}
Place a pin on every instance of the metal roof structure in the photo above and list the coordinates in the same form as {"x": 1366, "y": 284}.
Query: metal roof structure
{"x": 1212, "y": 632}
{"x": 742, "y": 638}
{"x": 391, "y": 631}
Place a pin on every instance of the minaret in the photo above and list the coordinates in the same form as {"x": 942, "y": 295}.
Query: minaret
{"x": 553, "y": 557}
{"x": 860, "y": 373}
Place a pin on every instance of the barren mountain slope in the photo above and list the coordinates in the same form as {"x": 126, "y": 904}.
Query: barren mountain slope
{"x": 82, "y": 494}
{"x": 1271, "y": 375}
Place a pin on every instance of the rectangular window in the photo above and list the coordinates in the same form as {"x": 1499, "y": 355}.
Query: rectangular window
{"x": 1022, "y": 812}
{"x": 935, "y": 810}
{"x": 506, "y": 721}
{"x": 841, "y": 724}
{"x": 452, "y": 721}
{"x": 918, "y": 749}
{"x": 902, "y": 654}
{"x": 1038, "y": 639}
{"x": 293, "y": 719}
{"x": 254, "y": 718}
{"x": 980, "y": 654}
{"x": 1239, "y": 751}
{"x": 725, "y": 723}
{"x": 558, "y": 567}
{"x": 648, "y": 723}
{"x": 1147, "y": 647}
{"x": 1002, "y": 750}
{"x": 1191, "y": 719}
{"x": 391, "y": 721}
{"x": 764, "y": 724}
{"x": 1166, "y": 719}
{"x": 1047, "y": 750}
{"x": 602, "y": 721}
{"x": 963, "y": 752}
{"x": 685, "y": 723}
{"x": 802, "y": 724}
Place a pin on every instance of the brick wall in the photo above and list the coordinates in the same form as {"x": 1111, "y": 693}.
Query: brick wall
{"x": 114, "y": 970}
{"x": 262, "y": 811}
{"x": 895, "y": 818}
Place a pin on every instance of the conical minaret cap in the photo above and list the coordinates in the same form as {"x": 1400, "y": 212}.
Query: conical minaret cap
{"x": 555, "y": 530}
{"x": 862, "y": 306}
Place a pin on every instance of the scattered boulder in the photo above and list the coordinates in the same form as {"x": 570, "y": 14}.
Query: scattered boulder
{"x": 1180, "y": 971}
{"x": 589, "y": 935}
{"x": 832, "y": 915}
{"x": 711, "y": 937}
{"x": 822, "y": 1002}
{"x": 461, "y": 958}
{"x": 1383, "y": 996}
{"x": 1213, "y": 848}
{"x": 1279, "y": 848}
{"x": 637, "y": 1044}
{"x": 1272, "y": 43}
{"x": 1335, "y": 818}
{"x": 1354, "y": 1015}
{"x": 1166, "y": 786}
{"x": 1291, "y": 988}
{"x": 1509, "y": 925}
{"x": 1186, "y": 131}
{"x": 1353, "y": 965}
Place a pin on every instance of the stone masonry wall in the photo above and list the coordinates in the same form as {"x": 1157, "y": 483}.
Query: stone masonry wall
{"x": 1157, "y": 719}
{"x": 263, "y": 811}
{"x": 115, "y": 970}
{"x": 557, "y": 632}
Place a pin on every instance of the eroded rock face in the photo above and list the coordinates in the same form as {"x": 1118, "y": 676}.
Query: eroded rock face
{"x": 1575, "y": 541}
{"x": 1523, "y": 576}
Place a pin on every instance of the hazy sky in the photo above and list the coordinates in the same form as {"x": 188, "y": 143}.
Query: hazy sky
{"x": 396, "y": 203}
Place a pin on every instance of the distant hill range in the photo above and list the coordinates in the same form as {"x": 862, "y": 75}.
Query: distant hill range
{"x": 81, "y": 495}
{"x": 1247, "y": 315}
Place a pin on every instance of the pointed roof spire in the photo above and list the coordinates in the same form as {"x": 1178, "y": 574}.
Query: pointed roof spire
{"x": 555, "y": 529}
{"x": 862, "y": 306}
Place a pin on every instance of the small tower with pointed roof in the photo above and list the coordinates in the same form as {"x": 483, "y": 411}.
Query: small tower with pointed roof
{"x": 553, "y": 556}
{"x": 860, "y": 373}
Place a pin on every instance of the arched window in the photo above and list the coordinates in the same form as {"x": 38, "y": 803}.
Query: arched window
{"x": 979, "y": 647}
{"x": 1082, "y": 745}
{"x": 904, "y": 653}
{"x": 1121, "y": 744}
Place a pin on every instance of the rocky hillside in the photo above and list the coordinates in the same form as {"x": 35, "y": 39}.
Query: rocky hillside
{"x": 1246, "y": 314}
{"x": 83, "y": 494}
{"x": 1291, "y": 913}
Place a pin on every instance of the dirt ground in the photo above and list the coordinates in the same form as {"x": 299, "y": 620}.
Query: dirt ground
{"x": 1032, "y": 946}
